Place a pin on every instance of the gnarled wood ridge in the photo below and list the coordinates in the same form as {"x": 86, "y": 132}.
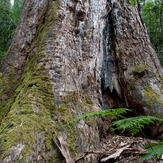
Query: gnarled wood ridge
{"x": 67, "y": 58}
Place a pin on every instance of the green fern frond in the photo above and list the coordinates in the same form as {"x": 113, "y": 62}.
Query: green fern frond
{"x": 113, "y": 113}
{"x": 154, "y": 145}
{"x": 134, "y": 124}
{"x": 154, "y": 149}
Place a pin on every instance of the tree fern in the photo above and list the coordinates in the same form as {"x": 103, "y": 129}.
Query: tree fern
{"x": 134, "y": 124}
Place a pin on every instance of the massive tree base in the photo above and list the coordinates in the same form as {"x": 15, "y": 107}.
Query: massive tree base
{"x": 68, "y": 58}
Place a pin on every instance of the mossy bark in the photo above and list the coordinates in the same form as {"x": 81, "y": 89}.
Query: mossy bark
{"x": 33, "y": 106}
{"x": 68, "y": 58}
{"x": 136, "y": 73}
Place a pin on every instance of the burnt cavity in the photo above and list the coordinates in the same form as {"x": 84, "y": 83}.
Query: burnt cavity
{"x": 80, "y": 15}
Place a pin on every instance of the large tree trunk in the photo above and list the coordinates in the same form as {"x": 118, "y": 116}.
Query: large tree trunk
{"x": 68, "y": 58}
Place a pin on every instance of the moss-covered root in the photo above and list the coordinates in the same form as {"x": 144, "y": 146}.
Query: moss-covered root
{"x": 26, "y": 133}
{"x": 73, "y": 105}
{"x": 29, "y": 117}
{"x": 140, "y": 70}
{"x": 152, "y": 97}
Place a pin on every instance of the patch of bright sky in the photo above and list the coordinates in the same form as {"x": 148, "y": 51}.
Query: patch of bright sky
{"x": 12, "y": 2}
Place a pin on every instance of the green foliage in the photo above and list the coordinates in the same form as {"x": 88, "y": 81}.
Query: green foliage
{"x": 6, "y": 25}
{"x": 16, "y": 10}
{"x": 154, "y": 149}
{"x": 113, "y": 113}
{"x": 9, "y": 16}
{"x": 152, "y": 14}
{"x": 134, "y": 2}
{"x": 134, "y": 124}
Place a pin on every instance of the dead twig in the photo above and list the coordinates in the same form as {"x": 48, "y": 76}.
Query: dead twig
{"x": 81, "y": 155}
{"x": 63, "y": 147}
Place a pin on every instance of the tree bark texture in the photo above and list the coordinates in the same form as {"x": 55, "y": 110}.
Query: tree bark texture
{"x": 67, "y": 58}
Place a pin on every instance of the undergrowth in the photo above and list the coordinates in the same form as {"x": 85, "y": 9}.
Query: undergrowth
{"x": 133, "y": 125}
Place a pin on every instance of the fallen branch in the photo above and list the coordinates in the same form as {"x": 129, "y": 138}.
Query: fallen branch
{"x": 63, "y": 147}
{"x": 115, "y": 155}
{"x": 81, "y": 155}
{"x": 124, "y": 150}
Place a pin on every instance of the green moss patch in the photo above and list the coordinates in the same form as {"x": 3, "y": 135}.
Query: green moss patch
{"x": 140, "y": 70}
{"x": 89, "y": 80}
{"x": 8, "y": 85}
{"x": 24, "y": 129}
{"x": 161, "y": 82}
{"x": 133, "y": 84}
{"x": 67, "y": 112}
{"x": 151, "y": 96}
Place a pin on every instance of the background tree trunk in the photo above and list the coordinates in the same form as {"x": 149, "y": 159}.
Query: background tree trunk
{"x": 68, "y": 58}
{"x": 135, "y": 77}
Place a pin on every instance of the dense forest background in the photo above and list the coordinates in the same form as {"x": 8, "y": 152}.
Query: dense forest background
{"x": 9, "y": 17}
{"x": 152, "y": 14}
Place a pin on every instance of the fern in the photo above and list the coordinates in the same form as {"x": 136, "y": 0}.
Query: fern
{"x": 154, "y": 145}
{"x": 134, "y": 124}
{"x": 113, "y": 113}
{"x": 153, "y": 149}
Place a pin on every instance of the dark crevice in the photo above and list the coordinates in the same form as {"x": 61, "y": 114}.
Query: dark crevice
{"x": 110, "y": 97}
{"x": 108, "y": 60}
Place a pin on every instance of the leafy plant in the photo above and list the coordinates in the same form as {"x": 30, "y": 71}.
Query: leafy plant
{"x": 133, "y": 125}
{"x": 9, "y": 16}
{"x": 154, "y": 149}
{"x": 113, "y": 113}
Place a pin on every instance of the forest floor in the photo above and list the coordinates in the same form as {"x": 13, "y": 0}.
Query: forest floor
{"x": 114, "y": 148}
{"x": 125, "y": 149}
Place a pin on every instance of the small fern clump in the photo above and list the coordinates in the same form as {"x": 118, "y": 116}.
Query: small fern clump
{"x": 153, "y": 149}
{"x": 134, "y": 124}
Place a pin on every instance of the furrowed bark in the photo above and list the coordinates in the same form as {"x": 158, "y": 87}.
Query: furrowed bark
{"x": 68, "y": 58}
{"x": 136, "y": 73}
